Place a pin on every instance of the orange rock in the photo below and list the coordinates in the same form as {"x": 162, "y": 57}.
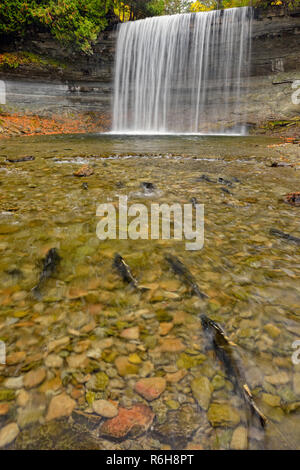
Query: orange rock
{"x": 179, "y": 318}
{"x": 34, "y": 378}
{"x": 129, "y": 422}
{"x": 85, "y": 170}
{"x": 15, "y": 358}
{"x": 77, "y": 393}
{"x": 171, "y": 345}
{"x": 61, "y": 405}
{"x": 194, "y": 447}
{"x": 131, "y": 333}
{"x": 292, "y": 199}
{"x": 4, "y": 409}
{"x": 52, "y": 384}
{"x": 89, "y": 327}
{"x": 95, "y": 309}
{"x": 150, "y": 388}
{"x": 176, "y": 377}
{"x": 165, "y": 328}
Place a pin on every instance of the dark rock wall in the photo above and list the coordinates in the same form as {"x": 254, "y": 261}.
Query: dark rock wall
{"x": 86, "y": 82}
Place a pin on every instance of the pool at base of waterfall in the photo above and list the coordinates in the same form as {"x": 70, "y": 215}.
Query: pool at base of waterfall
{"x": 95, "y": 362}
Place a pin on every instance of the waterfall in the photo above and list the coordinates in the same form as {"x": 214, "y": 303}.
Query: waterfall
{"x": 183, "y": 73}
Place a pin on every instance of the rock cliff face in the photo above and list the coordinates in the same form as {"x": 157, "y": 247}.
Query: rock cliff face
{"x": 86, "y": 83}
{"x": 275, "y": 67}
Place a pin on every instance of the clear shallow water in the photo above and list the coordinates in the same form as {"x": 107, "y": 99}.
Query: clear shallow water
{"x": 252, "y": 280}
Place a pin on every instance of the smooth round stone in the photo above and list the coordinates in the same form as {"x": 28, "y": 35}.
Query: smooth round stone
{"x": 105, "y": 408}
{"x": 53, "y": 361}
{"x": 14, "y": 383}
{"x": 8, "y": 434}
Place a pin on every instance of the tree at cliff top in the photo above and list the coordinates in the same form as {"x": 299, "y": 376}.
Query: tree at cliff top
{"x": 70, "y": 21}
{"x": 207, "y": 5}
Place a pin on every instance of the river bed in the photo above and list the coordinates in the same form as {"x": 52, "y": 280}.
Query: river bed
{"x": 91, "y": 337}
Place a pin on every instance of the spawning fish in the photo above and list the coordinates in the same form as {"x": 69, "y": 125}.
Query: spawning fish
{"x": 50, "y": 263}
{"x": 180, "y": 269}
{"x": 224, "y": 349}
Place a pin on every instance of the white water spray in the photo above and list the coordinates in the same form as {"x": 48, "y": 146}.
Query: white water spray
{"x": 183, "y": 73}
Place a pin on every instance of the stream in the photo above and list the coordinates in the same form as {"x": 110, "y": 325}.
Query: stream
{"x": 93, "y": 337}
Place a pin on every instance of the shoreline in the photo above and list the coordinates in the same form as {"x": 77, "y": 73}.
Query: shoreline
{"x": 17, "y": 125}
{"x": 22, "y": 125}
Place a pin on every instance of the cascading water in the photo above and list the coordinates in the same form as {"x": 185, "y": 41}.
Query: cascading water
{"x": 183, "y": 73}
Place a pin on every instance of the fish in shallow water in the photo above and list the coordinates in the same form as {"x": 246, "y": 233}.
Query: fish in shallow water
{"x": 49, "y": 263}
{"x": 21, "y": 159}
{"x": 180, "y": 269}
{"x": 125, "y": 272}
{"x": 225, "y": 351}
{"x": 285, "y": 236}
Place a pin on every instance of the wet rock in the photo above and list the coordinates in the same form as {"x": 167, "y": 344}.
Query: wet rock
{"x": 150, "y": 388}
{"x": 85, "y": 170}
{"x": 172, "y": 404}
{"x": 171, "y": 345}
{"x": 146, "y": 369}
{"x": 61, "y": 405}
{"x": 292, "y": 198}
{"x": 105, "y": 408}
{"x": 202, "y": 390}
{"x": 239, "y": 439}
{"x": 131, "y": 422}
{"x": 272, "y": 330}
{"x": 218, "y": 382}
{"x": 23, "y": 398}
{"x": 4, "y": 409}
{"x": 98, "y": 382}
{"x": 8, "y": 434}
{"x": 34, "y": 378}
{"x": 14, "y": 383}
{"x": 7, "y": 395}
{"x": 52, "y": 385}
{"x": 134, "y": 359}
{"x": 275, "y": 414}
{"x": 280, "y": 378}
{"x": 176, "y": 376}
{"x": 131, "y": 333}
{"x": 54, "y": 361}
{"x": 124, "y": 367}
{"x": 58, "y": 343}
{"x": 15, "y": 358}
{"x": 186, "y": 361}
{"x": 165, "y": 328}
{"x": 271, "y": 400}
{"x": 77, "y": 361}
{"x": 223, "y": 415}
{"x": 178, "y": 426}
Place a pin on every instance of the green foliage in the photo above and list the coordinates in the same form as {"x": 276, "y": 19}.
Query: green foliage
{"x": 70, "y": 21}
{"x": 73, "y": 21}
{"x": 15, "y": 16}
{"x": 79, "y": 22}
{"x": 13, "y": 60}
{"x": 207, "y": 5}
